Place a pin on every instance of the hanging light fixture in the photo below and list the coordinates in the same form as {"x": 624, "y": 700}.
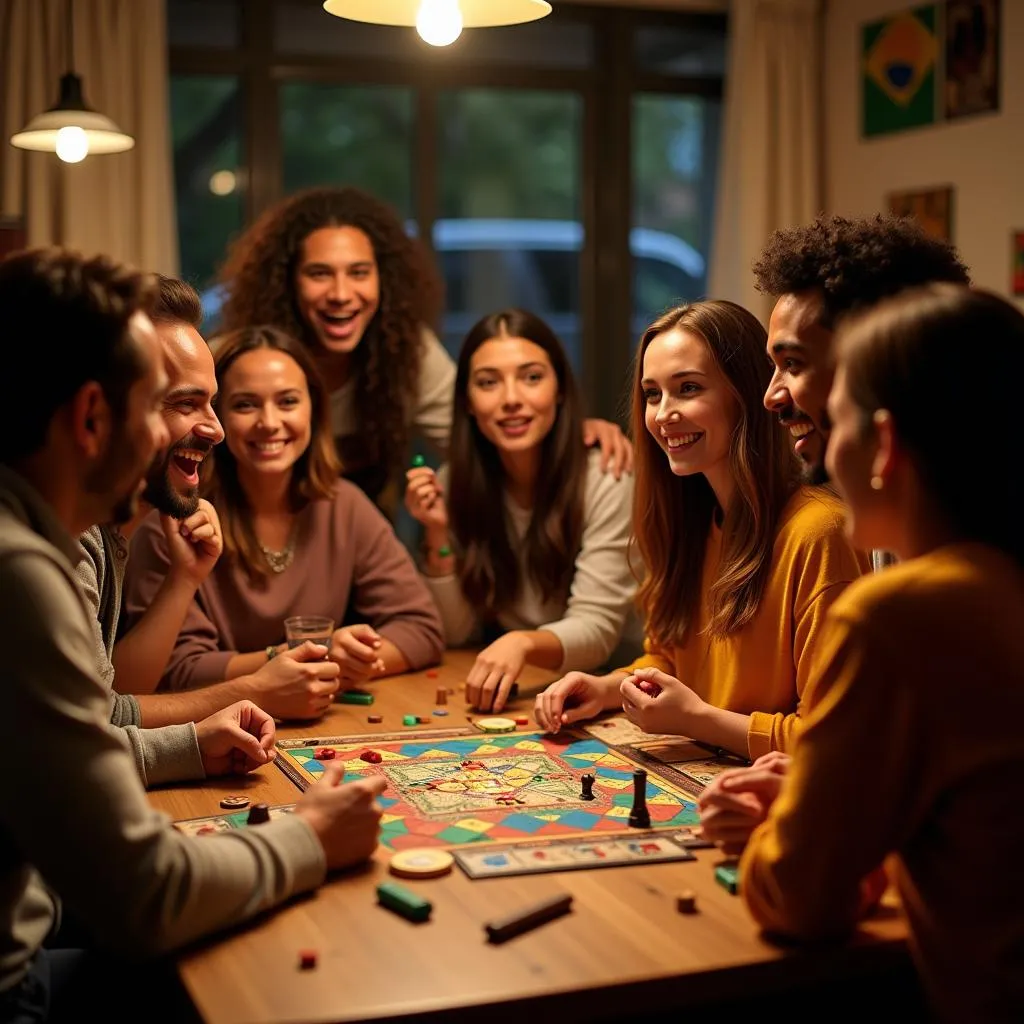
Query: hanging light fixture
{"x": 70, "y": 128}
{"x": 440, "y": 22}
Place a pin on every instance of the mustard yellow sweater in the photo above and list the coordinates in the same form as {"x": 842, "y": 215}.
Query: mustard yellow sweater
{"x": 913, "y": 746}
{"x": 764, "y": 669}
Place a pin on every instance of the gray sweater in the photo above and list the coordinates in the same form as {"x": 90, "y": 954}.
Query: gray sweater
{"x": 170, "y": 754}
{"x": 77, "y": 814}
{"x": 598, "y": 623}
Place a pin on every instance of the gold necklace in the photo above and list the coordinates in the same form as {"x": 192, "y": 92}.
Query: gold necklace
{"x": 278, "y": 561}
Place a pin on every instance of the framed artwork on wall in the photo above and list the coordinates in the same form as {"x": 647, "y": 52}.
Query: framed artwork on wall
{"x": 899, "y": 71}
{"x": 971, "y": 83}
{"x": 1017, "y": 277}
{"x": 932, "y": 208}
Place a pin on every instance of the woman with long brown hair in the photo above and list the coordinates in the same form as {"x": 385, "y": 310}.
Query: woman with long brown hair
{"x": 524, "y": 535}
{"x": 741, "y": 561}
{"x": 334, "y": 268}
{"x": 297, "y": 539}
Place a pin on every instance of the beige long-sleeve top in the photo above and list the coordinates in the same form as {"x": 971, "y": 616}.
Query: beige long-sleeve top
{"x": 432, "y": 414}
{"x": 80, "y": 818}
{"x": 598, "y": 619}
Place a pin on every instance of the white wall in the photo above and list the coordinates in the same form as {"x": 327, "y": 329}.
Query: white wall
{"x": 982, "y": 156}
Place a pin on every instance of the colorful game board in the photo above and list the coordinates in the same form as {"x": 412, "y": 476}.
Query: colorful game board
{"x": 459, "y": 787}
{"x": 225, "y": 822}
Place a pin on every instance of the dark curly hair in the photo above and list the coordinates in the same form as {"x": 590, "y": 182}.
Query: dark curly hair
{"x": 258, "y": 277}
{"x": 855, "y": 263}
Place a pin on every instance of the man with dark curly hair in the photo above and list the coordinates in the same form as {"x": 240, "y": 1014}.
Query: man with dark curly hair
{"x": 819, "y": 274}
{"x": 334, "y": 268}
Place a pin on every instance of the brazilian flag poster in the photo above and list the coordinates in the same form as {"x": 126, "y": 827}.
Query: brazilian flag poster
{"x": 899, "y": 65}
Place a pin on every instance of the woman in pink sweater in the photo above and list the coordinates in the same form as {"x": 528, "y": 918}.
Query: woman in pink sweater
{"x": 297, "y": 539}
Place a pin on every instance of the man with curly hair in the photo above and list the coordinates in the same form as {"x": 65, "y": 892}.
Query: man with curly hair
{"x": 334, "y": 268}
{"x": 819, "y": 274}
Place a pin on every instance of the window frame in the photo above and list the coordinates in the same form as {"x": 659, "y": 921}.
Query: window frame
{"x": 607, "y": 89}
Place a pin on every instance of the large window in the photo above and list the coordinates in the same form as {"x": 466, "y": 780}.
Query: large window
{"x": 209, "y": 174}
{"x": 566, "y": 166}
{"x": 508, "y": 232}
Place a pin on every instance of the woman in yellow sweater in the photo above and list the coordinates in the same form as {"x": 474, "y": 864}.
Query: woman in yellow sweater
{"x": 913, "y": 743}
{"x": 741, "y": 562}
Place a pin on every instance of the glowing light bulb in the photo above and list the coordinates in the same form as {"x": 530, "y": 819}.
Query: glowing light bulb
{"x": 223, "y": 183}
{"x": 439, "y": 22}
{"x": 72, "y": 144}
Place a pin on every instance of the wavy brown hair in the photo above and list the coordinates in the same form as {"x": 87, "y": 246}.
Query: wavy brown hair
{"x": 315, "y": 472}
{"x": 672, "y": 515}
{"x": 488, "y": 566}
{"x": 259, "y": 279}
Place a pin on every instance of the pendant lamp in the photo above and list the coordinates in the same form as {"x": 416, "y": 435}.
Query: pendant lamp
{"x": 440, "y": 22}
{"x": 70, "y": 128}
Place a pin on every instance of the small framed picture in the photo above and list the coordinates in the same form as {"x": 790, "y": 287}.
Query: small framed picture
{"x": 932, "y": 208}
{"x": 972, "y": 57}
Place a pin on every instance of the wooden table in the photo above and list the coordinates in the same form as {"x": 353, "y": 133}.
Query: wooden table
{"x": 623, "y": 950}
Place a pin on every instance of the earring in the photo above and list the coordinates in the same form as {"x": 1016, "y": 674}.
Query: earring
{"x": 877, "y": 483}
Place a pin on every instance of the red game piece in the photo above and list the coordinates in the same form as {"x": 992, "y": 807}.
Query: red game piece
{"x": 422, "y": 720}
{"x": 325, "y": 753}
{"x": 650, "y": 688}
{"x": 370, "y": 757}
{"x": 375, "y": 719}
{"x": 432, "y": 674}
{"x": 521, "y": 720}
{"x": 307, "y": 959}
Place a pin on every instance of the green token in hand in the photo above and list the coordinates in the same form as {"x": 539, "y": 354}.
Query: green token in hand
{"x": 417, "y": 461}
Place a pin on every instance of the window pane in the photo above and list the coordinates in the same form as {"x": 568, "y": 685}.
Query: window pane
{"x": 349, "y": 135}
{"x": 692, "y": 52}
{"x": 675, "y": 155}
{"x": 301, "y": 27}
{"x": 209, "y": 175}
{"x": 206, "y": 23}
{"x": 509, "y": 232}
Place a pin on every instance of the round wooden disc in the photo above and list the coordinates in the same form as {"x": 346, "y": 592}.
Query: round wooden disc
{"x": 234, "y": 803}
{"x": 421, "y": 863}
{"x": 495, "y": 724}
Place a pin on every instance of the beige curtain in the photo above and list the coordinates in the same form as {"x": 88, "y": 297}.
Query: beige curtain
{"x": 123, "y": 203}
{"x": 771, "y": 165}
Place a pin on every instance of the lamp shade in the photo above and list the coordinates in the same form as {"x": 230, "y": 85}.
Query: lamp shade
{"x": 71, "y": 111}
{"x": 475, "y": 13}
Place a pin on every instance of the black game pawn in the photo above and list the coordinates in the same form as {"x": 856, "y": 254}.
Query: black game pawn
{"x": 258, "y": 814}
{"x": 639, "y": 816}
{"x": 587, "y": 782}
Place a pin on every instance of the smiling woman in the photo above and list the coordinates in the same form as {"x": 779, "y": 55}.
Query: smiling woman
{"x": 548, "y": 570}
{"x": 741, "y": 561}
{"x": 297, "y": 540}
